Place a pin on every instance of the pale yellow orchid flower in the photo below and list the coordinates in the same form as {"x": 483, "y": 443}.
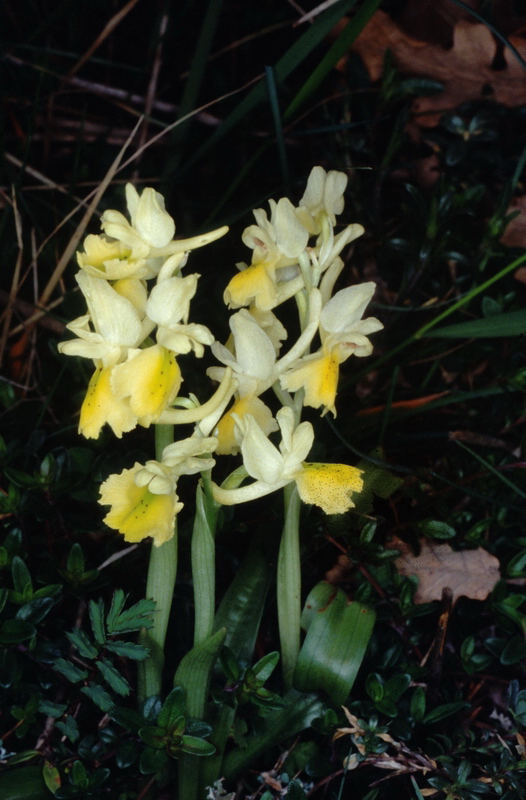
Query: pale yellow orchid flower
{"x": 323, "y": 197}
{"x": 150, "y": 233}
{"x": 343, "y": 333}
{"x": 144, "y": 500}
{"x": 168, "y": 306}
{"x": 120, "y": 326}
{"x": 256, "y": 367}
{"x": 110, "y": 259}
{"x": 277, "y": 244}
{"x": 329, "y": 486}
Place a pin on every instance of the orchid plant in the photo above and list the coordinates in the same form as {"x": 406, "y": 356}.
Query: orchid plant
{"x": 138, "y": 295}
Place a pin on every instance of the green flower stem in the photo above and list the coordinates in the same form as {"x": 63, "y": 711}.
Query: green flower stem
{"x": 203, "y": 560}
{"x": 289, "y": 584}
{"x": 159, "y": 587}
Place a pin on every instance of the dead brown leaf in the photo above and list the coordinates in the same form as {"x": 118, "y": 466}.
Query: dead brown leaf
{"x": 468, "y": 573}
{"x": 466, "y": 69}
{"x": 515, "y": 233}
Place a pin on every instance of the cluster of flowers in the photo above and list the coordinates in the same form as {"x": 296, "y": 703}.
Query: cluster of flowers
{"x": 137, "y": 378}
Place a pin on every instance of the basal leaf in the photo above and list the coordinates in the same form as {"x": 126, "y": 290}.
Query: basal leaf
{"x": 337, "y": 636}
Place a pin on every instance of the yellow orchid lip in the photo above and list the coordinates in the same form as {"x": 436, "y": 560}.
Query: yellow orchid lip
{"x": 329, "y": 486}
{"x": 318, "y": 376}
{"x": 136, "y": 512}
{"x": 150, "y": 380}
{"x": 100, "y": 406}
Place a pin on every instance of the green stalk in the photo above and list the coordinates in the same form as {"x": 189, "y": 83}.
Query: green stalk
{"x": 159, "y": 587}
{"x": 289, "y": 584}
{"x": 203, "y": 561}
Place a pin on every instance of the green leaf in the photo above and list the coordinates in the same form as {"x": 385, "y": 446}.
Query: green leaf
{"x": 113, "y": 677}
{"x": 374, "y": 686}
{"x": 80, "y": 641}
{"x": 70, "y": 671}
{"x": 418, "y": 704}
{"x": 335, "y": 644}
{"x": 69, "y": 728}
{"x": 52, "y": 590}
{"x": 13, "y": 631}
{"x": 443, "y": 711}
{"x": 24, "y": 755}
{"x": 229, "y": 665}
{"x": 100, "y": 696}
{"x": 266, "y": 666}
{"x": 195, "y": 670}
{"x": 396, "y": 686}
{"x": 96, "y": 614}
{"x": 516, "y": 565}
{"x": 339, "y": 48}
{"x": 241, "y": 609}
{"x": 127, "y": 718}
{"x": 152, "y": 761}
{"x": 76, "y": 562}
{"x": 117, "y": 604}
{"x": 128, "y": 650}
{"x": 134, "y": 618}
{"x": 21, "y": 578}
{"x": 51, "y": 777}
{"x": 8, "y": 667}
{"x": 512, "y": 613}
{"x": 153, "y": 736}
{"x": 295, "y": 792}
{"x": 512, "y": 323}
{"x": 126, "y": 754}
{"x": 436, "y": 529}
{"x": 36, "y": 609}
{"x": 297, "y": 713}
{"x": 98, "y": 777}
{"x": 194, "y": 674}
{"x": 377, "y": 481}
{"x": 203, "y": 564}
{"x": 196, "y": 727}
{"x": 296, "y": 54}
{"x": 79, "y": 776}
{"x": 173, "y": 707}
{"x": 23, "y": 784}
{"x": 197, "y": 747}
{"x": 51, "y": 709}
{"x": 514, "y": 651}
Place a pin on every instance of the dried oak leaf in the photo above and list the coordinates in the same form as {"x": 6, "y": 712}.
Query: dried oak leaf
{"x": 468, "y": 573}
{"x": 466, "y": 69}
{"x": 515, "y": 232}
